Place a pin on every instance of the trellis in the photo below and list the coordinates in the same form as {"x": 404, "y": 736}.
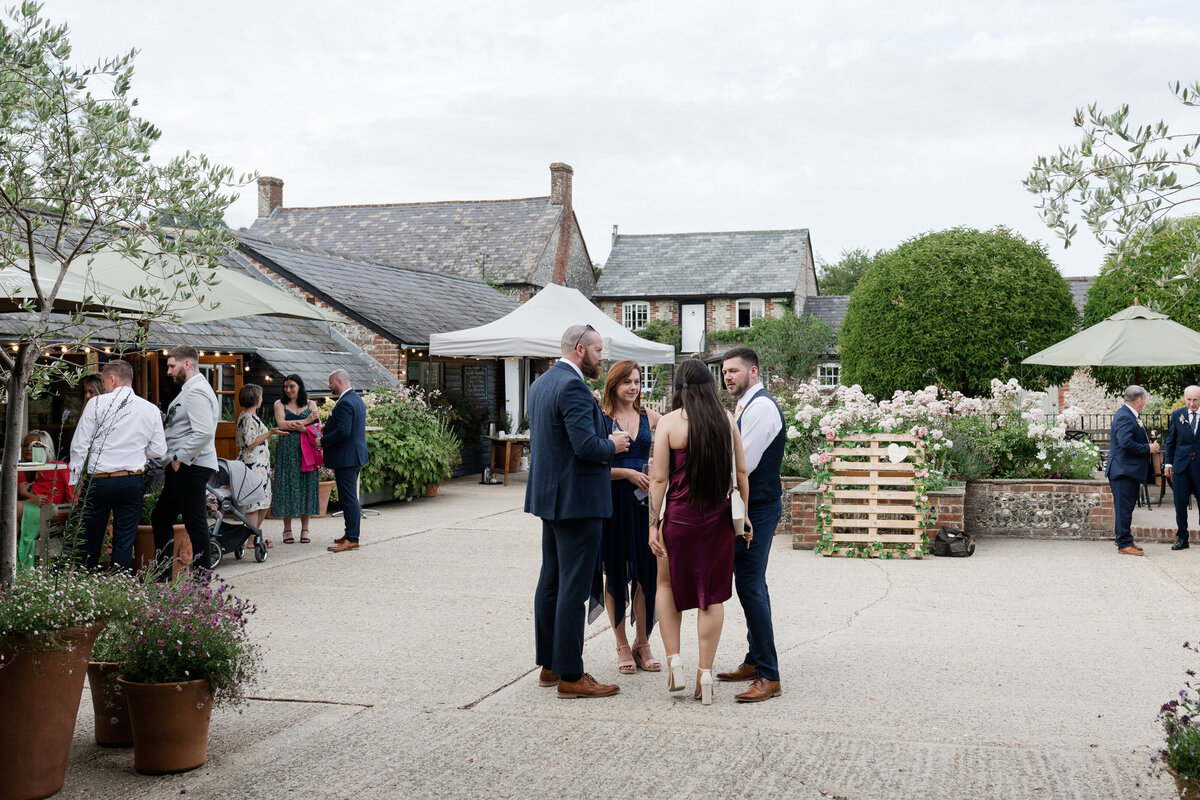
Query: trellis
{"x": 875, "y": 504}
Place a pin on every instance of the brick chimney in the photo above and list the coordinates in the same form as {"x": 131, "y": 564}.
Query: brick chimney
{"x": 560, "y": 184}
{"x": 614, "y": 239}
{"x": 270, "y": 195}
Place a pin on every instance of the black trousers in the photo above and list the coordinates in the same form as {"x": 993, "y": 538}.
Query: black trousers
{"x": 182, "y": 495}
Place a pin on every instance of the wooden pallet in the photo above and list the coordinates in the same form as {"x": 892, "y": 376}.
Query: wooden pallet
{"x": 874, "y": 499}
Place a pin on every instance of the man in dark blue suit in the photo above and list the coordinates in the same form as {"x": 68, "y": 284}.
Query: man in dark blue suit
{"x": 344, "y": 443}
{"x": 1182, "y": 461}
{"x": 570, "y": 489}
{"x": 1129, "y": 451}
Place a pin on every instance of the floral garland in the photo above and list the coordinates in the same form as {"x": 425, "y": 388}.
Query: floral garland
{"x": 823, "y": 478}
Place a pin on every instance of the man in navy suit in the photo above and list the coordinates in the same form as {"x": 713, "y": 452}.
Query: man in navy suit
{"x": 1182, "y": 461}
{"x": 569, "y": 487}
{"x": 344, "y": 444}
{"x": 1129, "y": 451}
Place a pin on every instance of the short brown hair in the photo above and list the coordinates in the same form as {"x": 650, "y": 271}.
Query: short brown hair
{"x": 181, "y": 352}
{"x": 250, "y": 394}
{"x": 748, "y": 356}
{"x": 120, "y": 369}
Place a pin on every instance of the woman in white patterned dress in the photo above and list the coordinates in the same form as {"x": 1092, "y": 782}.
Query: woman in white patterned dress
{"x": 252, "y": 436}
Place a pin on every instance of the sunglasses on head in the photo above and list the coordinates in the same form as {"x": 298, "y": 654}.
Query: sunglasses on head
{"x": 585, "y": 333}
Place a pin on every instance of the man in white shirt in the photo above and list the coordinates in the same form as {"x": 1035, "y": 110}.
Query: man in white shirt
{"x": 118, "y": 431}
{"x": 763, "y": 437}
{"x": 191, "y": 430}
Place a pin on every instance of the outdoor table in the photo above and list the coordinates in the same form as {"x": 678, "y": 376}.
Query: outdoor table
{"x": 503, "y": 445}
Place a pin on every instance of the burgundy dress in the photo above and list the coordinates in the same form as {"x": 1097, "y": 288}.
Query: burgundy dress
{"x": 699, "y": 544}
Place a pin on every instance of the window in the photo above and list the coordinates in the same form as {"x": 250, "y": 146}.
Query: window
{"x": 829, "y": 374}
{"x": 748, "y": 311}
{"x": 635, "y": 315}
{"x": 649, "y": 379}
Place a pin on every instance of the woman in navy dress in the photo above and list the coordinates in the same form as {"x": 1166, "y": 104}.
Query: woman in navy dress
{"x": 628, "y": 567}
{"x": 697, "y": 448}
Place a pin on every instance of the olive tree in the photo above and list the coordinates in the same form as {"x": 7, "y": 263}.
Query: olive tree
{"x": 76, "y": 175}
{"x": 955, "y": 308}
{"x": 1126, "y": 183}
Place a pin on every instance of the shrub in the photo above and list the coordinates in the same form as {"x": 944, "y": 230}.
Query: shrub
{"x": 955, "y": 308}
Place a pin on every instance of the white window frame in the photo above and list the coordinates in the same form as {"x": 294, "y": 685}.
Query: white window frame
{"x": 635, "y": 309}
{"x": 648, "y": 379}
{"x": 827, "y": 370}
{"x": 754, "y": 305}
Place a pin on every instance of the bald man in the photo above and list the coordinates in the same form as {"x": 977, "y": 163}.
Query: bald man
{"x": 344, "y": 444}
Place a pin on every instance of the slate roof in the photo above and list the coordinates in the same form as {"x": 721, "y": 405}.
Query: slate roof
{"x": 1079, "y": 289}
{"x": 506, "y": 237}
{"x": 830, "y": 309}
{"x": 405, "y": 305}
{"x": 735, "y": 263}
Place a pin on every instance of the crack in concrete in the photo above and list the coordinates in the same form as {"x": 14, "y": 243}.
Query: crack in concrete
{"x": 313, "y": 702}
{"x": 523, "y": 675}
{"x": 850, "y": 620}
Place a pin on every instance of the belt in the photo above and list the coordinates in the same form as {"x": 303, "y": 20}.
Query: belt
{"x": 121, "y": 473}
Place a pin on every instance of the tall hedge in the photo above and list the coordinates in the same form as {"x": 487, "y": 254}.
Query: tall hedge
{"x": 1146, "y": 276}
{"x": 956, "y": 308}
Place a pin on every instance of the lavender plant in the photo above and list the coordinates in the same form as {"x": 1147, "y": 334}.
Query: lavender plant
{"x": 1180, "y": 719}
{"x": 191, "y": 630}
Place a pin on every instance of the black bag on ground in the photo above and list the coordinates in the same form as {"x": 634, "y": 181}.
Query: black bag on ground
{"x": 953, "y": 543}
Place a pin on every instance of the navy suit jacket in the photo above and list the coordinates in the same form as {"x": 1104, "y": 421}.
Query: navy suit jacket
{"x": 1181, "y": 445}
{"x": 569, "y": 451}
{"x": 344, "y": 440}
{"x": 1128, "y": 447}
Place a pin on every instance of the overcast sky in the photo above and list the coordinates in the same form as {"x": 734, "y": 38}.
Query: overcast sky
{"x": 866, "y": 122}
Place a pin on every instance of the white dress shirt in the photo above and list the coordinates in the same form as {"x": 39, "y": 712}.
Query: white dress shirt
{"x": 117, "y": 431}
{"x": 760, "y": 425}
{"x": 575, "y": 367}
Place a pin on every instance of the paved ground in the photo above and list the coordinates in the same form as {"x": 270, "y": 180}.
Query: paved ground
{"x": 405, "y": 670}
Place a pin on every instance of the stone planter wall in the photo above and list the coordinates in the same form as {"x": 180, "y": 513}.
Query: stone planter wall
{"x": 947, "y": 504}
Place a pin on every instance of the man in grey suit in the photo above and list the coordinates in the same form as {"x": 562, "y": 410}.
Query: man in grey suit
{"x": 191, "y": 428}
{"x": 1181, "y": 461}
{"x": 569, "y": 487}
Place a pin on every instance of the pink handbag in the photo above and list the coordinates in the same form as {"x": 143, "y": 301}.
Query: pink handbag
{"x": 311, "y": 456}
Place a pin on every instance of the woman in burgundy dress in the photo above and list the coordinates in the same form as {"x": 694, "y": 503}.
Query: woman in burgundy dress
{"x": 694, "y": 541}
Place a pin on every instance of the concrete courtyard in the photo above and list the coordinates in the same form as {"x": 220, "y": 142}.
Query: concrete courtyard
{"x": 405, "y": 670}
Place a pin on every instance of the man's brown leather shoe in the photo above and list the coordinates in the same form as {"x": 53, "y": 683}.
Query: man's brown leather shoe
{"x": 761, "y": 689}
{"x": 339, "y": 540}
{"x": 1132, "y": 550}
{"x": 343, "y": 547}
{"x": 547, "y": 678}
{"x": 745, "y": 672}
{"x": 586, "y": 687}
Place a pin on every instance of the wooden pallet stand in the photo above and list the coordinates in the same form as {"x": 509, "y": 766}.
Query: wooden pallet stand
{"x": 873, "y": 497}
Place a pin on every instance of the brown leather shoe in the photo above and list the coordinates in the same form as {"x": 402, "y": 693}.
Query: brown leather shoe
{"x": 547, "y": 678}
{"x": 761, "y": 689}
{"x": 1132, "y": 550}
{"x": 343, "y": 547}
{"x": 745, "y": 672}
{"x": 339, "y": 540}
{"x": 586, "y": 687}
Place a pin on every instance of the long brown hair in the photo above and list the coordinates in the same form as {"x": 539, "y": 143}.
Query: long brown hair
{"x": 618, "y": 373}
{"x": 709, "y": 448}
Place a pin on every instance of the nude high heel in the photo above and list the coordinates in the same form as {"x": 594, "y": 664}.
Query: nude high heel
{"x": 675, "y": 680}
{"x": 704, "y": 686}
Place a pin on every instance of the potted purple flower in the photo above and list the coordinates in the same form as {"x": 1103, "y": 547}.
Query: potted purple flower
{"x": 186, "y": 652}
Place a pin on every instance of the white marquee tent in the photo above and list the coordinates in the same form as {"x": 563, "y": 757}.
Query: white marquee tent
{"x": 535, "y": 331}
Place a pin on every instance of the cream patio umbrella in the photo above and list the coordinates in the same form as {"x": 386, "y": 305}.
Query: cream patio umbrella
{"x": 1135, "y": 337}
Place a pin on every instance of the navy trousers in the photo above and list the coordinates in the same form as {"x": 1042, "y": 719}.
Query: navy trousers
{"x": 750, "y": 580}
{"x": 1125, "y": 493}
{"x": 122, "y": 497}
{"x": 570, "y": 548}
{"x": 1185, "y": 483}
{"x": 347, "y": 486}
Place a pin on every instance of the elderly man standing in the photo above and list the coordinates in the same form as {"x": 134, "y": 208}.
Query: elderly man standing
{"x": 191, "y": 458}
{"x": 117, "y": 432}
{"x": 569, "y": 488}
{"x": 1128, "y": 466}
{"x": 344, "y": 444}
{"x": 1181, "y": 459}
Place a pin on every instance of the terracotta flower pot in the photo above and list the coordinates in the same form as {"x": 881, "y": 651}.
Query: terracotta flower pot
{"x": 431, "y": 489}
{"x": 324, "y": 489}
{"x": 1188, "y": 788}
{"x": 108, "y": 706}
{"x": 170, "y": 724}
{"x": 143, "y": 548}
{"x": 40, "y": 688}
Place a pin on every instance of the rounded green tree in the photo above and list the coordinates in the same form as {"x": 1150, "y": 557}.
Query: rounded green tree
{"x": 1155, "y": 275}
{"x": 956, "y": 308}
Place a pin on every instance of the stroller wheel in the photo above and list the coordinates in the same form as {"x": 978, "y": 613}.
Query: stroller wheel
{"x": 239, "y": 552}
{"x": 260, "y": 551}
{"x": 214, "y": 554}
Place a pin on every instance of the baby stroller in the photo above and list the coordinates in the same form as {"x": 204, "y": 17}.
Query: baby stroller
{"x": 234, "y": 486}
